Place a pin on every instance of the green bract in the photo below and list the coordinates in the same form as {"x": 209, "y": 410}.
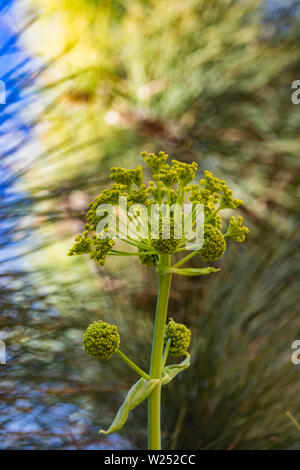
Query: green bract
{"x": 101, "y": 340}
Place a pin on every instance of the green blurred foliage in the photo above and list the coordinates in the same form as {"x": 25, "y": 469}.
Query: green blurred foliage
{"x": 207, "y": 82}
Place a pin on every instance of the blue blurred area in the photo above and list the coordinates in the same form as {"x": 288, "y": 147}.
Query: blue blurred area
{"x": 277, "y": 7}
{"x": 30, "y": 418}
{"x": 17, "y": 74}
{"x": 279, "y": 14}
{"x": 17, "y": 71}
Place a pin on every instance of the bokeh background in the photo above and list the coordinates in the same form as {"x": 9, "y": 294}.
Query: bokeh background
{"x": 90, "y": 84}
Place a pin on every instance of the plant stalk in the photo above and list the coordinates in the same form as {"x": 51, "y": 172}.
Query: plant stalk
{"x": 154, "y": 400}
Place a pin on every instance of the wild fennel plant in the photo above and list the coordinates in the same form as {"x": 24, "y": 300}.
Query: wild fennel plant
{"x": 171, "y": 190}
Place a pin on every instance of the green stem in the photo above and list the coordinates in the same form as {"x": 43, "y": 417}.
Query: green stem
{"x": 186, "y": 258}
{"x": 166, "y": 352}
{"x": 133, "y": 365}
{"x": 154, "y": 401}
{"x": 210, "y": 216}
{"x": 130, "y": 253}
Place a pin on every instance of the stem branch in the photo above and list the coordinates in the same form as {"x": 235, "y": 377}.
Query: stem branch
{"x": 133, "y": 366}
{"x": 166, "y": 352}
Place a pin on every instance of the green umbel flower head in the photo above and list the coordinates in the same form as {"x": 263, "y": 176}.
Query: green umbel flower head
{"x": 173, "y": 185}
{"x": 214, "y": 244}
{"x": 180, "y": 337}
{"x": 101, "y": 339}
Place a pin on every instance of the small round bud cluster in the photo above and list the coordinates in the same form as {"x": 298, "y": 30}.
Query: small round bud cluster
{"x": 180, "y": 337}
{"x": 101, "y": 339}
{"x": 168, "y": 240}
{"x": 214, "y": 244}
{"x": 100, "y": 248}
{"x": 148, "y": 260}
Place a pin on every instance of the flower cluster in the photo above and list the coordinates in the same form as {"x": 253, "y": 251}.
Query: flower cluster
{"x": 171, "y": 184}
{"x": 150, "y": 259}
{"x": 186, "y": 172}
{"x": 101, "y": 339}
{"x": 100, "y": 248}
{"x": 180, "y": 337}
{"x": 127, "y": 177}
{"x": 214, "y": 244}
{"x": 236, "y": 230}
{"x": 96, "y": 247}
{"x": 165, "y": 239}
{"x": 82, "y": 245}
{"x": 155, "y": 162}
{"x": 108, "y": 196}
